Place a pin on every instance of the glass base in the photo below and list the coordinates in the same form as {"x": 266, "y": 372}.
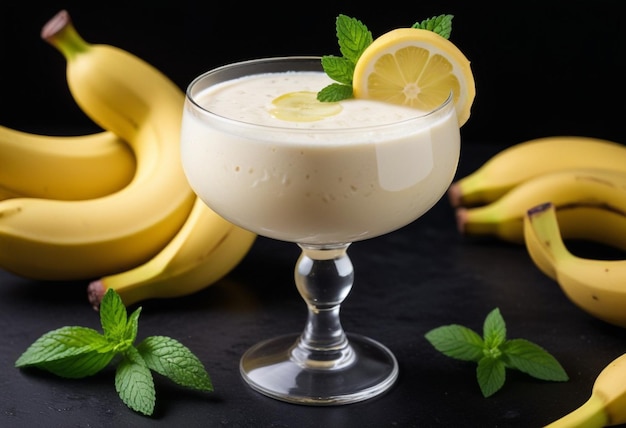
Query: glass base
{"x": 273, "y": 368}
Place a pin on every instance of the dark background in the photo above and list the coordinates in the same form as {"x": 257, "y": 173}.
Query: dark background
{"x": 541, "y": 67}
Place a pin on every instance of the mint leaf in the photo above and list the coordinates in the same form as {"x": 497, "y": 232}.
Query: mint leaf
{"x": 71, "y": 352}
{"x": 76, "y": 352}
{"x": 353, "y": 37}
{"x": 457, "y": 341}
{"x": 491, "y": 374}
{"x": 532, "y": 359}
{"x": 494, "y": 353}
{"x": 335, "y": 92}
{"x": 63, "y": 343}
{"x": 441, "y": 25}
{"x": 78, "y": 366}
{"x": 338, "y": 69}
{"x": 175, "y": 361}
{"x": 117, "y": 326}
{"x": 494, "y": 329}
{"x": 132, "y": 326}
{"x": 134, "y": 383}
{"x": 113, "y": 316}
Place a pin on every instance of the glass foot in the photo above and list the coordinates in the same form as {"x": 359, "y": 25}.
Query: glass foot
{"x": 278, "y": 369}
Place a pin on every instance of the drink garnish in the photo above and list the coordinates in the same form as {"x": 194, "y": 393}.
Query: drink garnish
{"x": 302, "y": 106}
{"x": 416, "y": 66}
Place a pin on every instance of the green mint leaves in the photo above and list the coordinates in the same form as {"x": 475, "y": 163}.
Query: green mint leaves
{"x": 354, "y": 37}
{"x": 441, "y": 25}
{"x": 494, "y": 353}
{"x": 76, "y": 352}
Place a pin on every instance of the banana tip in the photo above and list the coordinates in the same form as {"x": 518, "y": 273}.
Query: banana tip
{"x": 454, "y": 195}
{"x": 539, "y": 209}
{"x": 95, "y": 292}
{"x": 55, "y": 24}
{"x": 461, "y": 219}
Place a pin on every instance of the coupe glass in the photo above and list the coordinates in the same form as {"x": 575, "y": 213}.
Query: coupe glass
{"x": 322, "y": 189}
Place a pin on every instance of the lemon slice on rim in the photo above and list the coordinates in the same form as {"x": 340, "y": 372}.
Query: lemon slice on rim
{"x": 415, "y": 67}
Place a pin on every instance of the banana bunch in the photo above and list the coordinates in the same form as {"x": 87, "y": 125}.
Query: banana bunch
{"x": 590, "y": 205}
{"x": 583, "y": 182}
{"x": 532, "y": 158}
{"x": 582, "y": 176}
{"x": 606, "y": 405}
{"x": 124, "y": 213}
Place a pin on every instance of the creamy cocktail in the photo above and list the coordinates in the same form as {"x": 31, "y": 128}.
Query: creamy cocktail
{"x": 360, "y": 169}
{"x": 262, "y": 152}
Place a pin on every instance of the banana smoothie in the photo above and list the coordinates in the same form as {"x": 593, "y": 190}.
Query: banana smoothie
{"x": 265, "y": 158}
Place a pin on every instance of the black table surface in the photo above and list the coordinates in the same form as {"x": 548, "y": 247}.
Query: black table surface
{"x": 407, "y": 282}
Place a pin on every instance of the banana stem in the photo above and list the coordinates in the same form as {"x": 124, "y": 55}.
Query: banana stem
{"x": 61, "y": 33}
{"x": 590, "y": 415}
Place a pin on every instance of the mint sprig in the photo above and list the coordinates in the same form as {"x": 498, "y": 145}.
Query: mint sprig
{"x": 353, "y": 38}
{"x": 77, "y": 352}
{"x": 441, "y": 25}
{"x": 494, "y": 353}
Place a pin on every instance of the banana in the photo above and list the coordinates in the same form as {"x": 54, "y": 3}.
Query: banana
{"x": 606, "y": 406}
{"x": 64, "y": 167}
{"x": 205, "y": 249}
{"x": 590, "y": 203}
{"x": 587, "y": 223}
{"x": 596, "y": 286}
{"x": 69, "y": 240}
{"x": 531, "y": 158}
{"x": 7, "y": 193}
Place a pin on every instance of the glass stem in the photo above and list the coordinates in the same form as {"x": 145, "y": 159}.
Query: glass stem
{"x": 324, "y": 276}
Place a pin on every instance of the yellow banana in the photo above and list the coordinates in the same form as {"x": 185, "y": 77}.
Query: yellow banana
{"x": 531, "y": 158}
{"x": 7, "y": 193}
{"x": 205, "y": 249}
{"x": 64, "y": 167}
{"x": 66, "y": 240}
{"x": 594, "y": 285}
{"x": 587, "y": 223}
{"x": 590, "y": 203}
{"x": 606, "y": 405}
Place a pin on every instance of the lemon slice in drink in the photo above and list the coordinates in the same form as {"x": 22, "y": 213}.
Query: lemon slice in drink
{"x": 415, "y": 67}
{"x": 302, "y": 106}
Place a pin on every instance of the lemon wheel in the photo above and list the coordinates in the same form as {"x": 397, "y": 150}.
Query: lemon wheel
{"x": 415, "y": 67}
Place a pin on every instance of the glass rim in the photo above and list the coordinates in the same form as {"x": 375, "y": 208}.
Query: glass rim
{"x": 190, "y": 97}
